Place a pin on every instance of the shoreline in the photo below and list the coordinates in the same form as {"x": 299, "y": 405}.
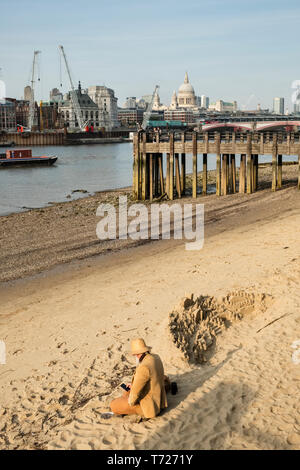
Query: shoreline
{"x": 211, "y": 182}
{"x": 40, "y": 239}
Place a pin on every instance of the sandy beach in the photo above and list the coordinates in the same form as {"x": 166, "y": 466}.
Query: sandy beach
{"x": 223, "y": 319}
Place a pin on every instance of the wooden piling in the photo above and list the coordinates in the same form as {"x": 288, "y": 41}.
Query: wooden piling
{"x": 136, "y": 158}
{"x": 217, "y": 140}
{"x": 177, "y": 177}
{"x": 249, "y": 164}
{"x": 224, "y": 175}
{"x": 227, "y": 173}
{"x": 194, "y": 139}
{"x": 161, "y": 174}
{"x": 255, "y": 172}
{"x": 183, "y": 172}
{"x": 151, "y": 177}
{"x": 274, "y": 163}
{"x": 233, "y": 169}
{"x": 299, "y": 171}
{"x": 252, "y": 173}
{"x": 242, "y": 174}
{"x": 156, "y": 174}
{"x": 279, "y": 176}
{"x": 204, "y": 175}
{"x": 230, "y": 172}
{"x": 144, "y": 168}
{"x": 218, "y": 175}
{"x": 168, "y": 175}
{"x": 171, "y": 178}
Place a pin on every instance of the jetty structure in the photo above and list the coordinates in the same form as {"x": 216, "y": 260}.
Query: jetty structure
{"x": 152, "y": 150}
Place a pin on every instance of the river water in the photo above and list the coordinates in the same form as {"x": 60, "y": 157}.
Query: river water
{"x": 91, "y": 168}
{"x": 88, "y": 167}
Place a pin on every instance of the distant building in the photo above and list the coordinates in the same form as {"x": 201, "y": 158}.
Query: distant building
{"x": 157, "y": 105}
{"x": 204, "y": 101}
{"x": 142, "y": 104}
{"x": 130, "y": 102}
{"x": 27, "y": 93}
{"x": 174, "y": 101}
{"x": 223, "y": 106}
{"x": 130, "y": 116}
{"x": 55, "y": 95}
{"x": 89, "y": 110}
{"x": 107, "y": 104}
{"x": 147, "y": 98}
{"x": 48, "y": 116}
{"x": 278, "y": 105}
{"x": 296, "y": 108}
{"x": 186, "y": 94}
{"x": 7, "y": 114}
{"x": 183, "y": 115}
{"x": 22, "y": 112}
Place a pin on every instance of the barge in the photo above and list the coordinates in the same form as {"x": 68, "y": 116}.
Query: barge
{"x": 24, "y": 157}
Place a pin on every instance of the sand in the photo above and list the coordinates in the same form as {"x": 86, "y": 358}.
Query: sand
{"x": 232, "y": 308}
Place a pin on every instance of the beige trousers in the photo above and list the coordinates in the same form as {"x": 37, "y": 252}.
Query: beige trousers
{"x": 120, "y": 406}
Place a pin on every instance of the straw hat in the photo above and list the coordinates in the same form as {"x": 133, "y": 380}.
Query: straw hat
{"x": 138, "y": 346}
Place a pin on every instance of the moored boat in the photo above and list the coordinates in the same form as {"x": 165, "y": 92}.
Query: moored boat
{"x": 24, "y": 158}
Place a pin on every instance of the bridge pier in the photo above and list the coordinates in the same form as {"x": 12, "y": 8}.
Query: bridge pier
{"x": 204, "y": 173}
{"x": 150, "y": 182}
{"x": 218, "y": 175}
{"x": 274, "y": 163}
{"x": 183, "y": 173}
{"x": 279, "y": 173}
{"x": 242, "y": 175}
{"x": 255, "y": 172}
{"x": 299, "y": 171}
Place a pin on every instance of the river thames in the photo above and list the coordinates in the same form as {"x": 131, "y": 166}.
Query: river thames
{"x": 90, "y": 168}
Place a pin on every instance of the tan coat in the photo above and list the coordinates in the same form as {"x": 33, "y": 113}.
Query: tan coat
{"x": 148, "y": 389}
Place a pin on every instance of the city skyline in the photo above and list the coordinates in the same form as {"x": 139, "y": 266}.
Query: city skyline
{"x": 231, "y": 51}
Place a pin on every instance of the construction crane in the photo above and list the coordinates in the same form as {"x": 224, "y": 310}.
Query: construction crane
{"x": 32, "y": 101}
{"x": 147, "y": 114}
{"x": 73, "y": 94}
{"x": 41, "y": 116}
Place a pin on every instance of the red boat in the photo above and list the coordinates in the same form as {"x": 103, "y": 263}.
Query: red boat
{"x": 24, "y": 157}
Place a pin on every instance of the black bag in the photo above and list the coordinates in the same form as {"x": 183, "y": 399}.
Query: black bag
{"x": 174, "y": 388}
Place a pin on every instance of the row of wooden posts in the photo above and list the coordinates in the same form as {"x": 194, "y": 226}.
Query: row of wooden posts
{"x": 149, "y": 181}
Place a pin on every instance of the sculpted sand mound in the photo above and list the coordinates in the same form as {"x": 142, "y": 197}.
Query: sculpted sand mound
{"x": 196, "y": 322}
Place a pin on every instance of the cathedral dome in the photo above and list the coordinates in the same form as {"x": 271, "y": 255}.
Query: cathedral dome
{"x": 186, "y": 94}
{"x": 186, "y": 87}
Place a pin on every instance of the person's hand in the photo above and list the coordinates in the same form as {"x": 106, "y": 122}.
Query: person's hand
{"x": 128, "y": 386}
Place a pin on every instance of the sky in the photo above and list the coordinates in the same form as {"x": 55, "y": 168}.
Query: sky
{"x": 232, "y": 49}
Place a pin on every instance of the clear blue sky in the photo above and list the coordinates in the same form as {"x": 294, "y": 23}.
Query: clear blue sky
{"x": 232, "y": 49}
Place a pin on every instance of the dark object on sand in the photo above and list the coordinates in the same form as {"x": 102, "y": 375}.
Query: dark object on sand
{"x": 174, "y": 388}
{"x": 125, "y": 388}
{"x": 107, "y": 415}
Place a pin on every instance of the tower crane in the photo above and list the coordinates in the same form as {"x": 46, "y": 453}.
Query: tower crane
{"x": 147, "y": 114}
{"x": 73, "y": 94}
{"x": 32, "y": 101}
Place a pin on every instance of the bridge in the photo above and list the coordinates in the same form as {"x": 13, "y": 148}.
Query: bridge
{"x": 153, "y": 150}
{"x": 289, "y": 125}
